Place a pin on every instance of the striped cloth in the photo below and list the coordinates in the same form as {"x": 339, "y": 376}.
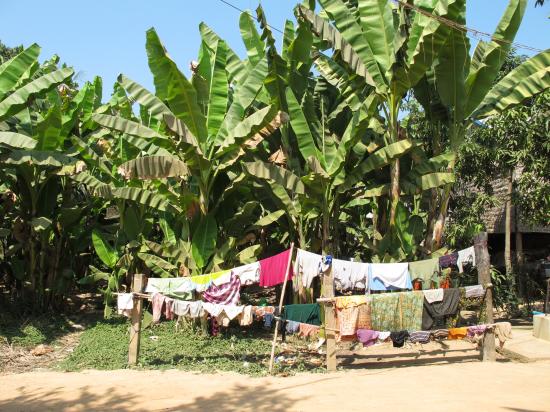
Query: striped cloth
{"x": 476, "y": 330}
{"x": 440, "y": 334}
{"x": 419, "y": 336}
{"x": 225, "y": 294}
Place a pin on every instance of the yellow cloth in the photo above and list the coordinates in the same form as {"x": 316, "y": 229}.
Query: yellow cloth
{"x": 343, "y": 302}
{"x": 458, "y": 333}
{"x": 206, "y": 279}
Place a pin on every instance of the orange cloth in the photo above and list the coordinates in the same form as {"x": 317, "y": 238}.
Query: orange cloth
{"x": 352, "y": 318}
{"x": 458, "y": 333}
{"x": 308, "y": 330}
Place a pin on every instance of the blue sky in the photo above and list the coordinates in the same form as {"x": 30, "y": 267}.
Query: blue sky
{"x": 107, "y": 37}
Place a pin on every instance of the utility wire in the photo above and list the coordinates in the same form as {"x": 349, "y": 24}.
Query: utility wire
{"x": 244, "y": 11}
{"x": 478, "y": 34}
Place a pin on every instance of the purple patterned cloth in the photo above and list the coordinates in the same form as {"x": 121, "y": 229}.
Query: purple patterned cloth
{"x": 420, "y": 336}
{"x": 225, "y": 294}
{"x": 476, "y": 330}
{"x": 448, "y": 260}
{"x": 367, "y": 337}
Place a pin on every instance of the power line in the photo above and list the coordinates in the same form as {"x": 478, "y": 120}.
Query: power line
{"x": 478, "y": 34}
{"x": 244, "y": 11}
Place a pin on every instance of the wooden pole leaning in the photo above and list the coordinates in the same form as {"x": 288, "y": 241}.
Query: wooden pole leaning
{"x": 484, "y": 278}
{"x": 327, "y": 294}
{"x": 281, "y": 300}
{"x": 138, "y": 284}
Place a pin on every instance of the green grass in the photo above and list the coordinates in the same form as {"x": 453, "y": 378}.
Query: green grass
{"x": 105, "y": 346}
{"x": 28, "y": 332}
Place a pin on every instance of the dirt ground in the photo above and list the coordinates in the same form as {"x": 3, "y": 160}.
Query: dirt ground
{"x": 473, "y": 385}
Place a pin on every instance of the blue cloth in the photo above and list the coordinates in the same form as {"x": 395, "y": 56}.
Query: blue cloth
{"x": 292, "y": 327}
{"x": 268, "y": 318}
{"x": 376, "y": 284}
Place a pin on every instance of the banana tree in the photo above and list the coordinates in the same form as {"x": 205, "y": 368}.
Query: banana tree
{"x": 391, "y": 48}
{"x": 460, "y": 88}
{"x": 44, "y": 212}
{"x": 190, "y": 134}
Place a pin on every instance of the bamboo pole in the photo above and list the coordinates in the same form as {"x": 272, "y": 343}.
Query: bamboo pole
{"x": 135, "y": 329}
{"x": 327, "y": 292}
{"x": 281, "y": 300}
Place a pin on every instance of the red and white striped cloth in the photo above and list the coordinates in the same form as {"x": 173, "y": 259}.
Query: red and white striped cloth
{"x": 225, "y": 294}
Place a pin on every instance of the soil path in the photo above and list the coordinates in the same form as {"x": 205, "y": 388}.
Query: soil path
{"x": 475, "y": 386}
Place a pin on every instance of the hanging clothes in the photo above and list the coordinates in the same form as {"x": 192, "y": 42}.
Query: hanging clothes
{"x": 349, "y": 275}
{"x": 399, "y": 338}
{"x": 433, "y": 295}
{"x": 396, "y": 311}
{"x": 466, "y": 256}
{"x": 434, "y": 314}
{"x": 476, "y": 330}
{"x": 425, "y": 270}
{"x": 213, "y": 309}
{"x": 342, "y": 302}
{"x": 292, "y": 327}
{"x": 225, "y": 294}
{"x": 181, "y": 308}
{"x": 383, "y": 336}
{"x": 419, "y": 336}
{"x": 448, "y": 261}
{"x": 273, "y": 269}
{"x": 389, "y": 276}
{"x": 233, "y": 311}
{"x": 476, "y": 291}
{"x": 161, "y": 303}
{"x": 308, "y": 330}
{"x": 248, "y": 274}
{"x": 367, "y": 337}
{"x": 125, "y": 304}
{"x": 352, "y": 318}
{"x": 503, "y": 332}
{"x": 246, "y": 316}
{"x": 307, "y": 313}
{"x": 306, "y": 267}
{"x": 440, "y": 334}
{"x": 457, "y": 333}
{"x": 178, "y": 287}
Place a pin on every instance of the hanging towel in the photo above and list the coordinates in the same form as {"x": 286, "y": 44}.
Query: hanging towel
{"x": 308, "y": 313}
{"x": 383, "y": 336}
{"x": 159, "y": 302}
{"x": 425, "y": 270}
{"x": 306, "y": 267}
{"x": 181, "y": 307}
{"x": 308, "y": 330}
{"x": 466, "y": 256}
{"x": 399, "y": 338}
{"x": 125, "y": 304}
{"x": 347, "y": 301}
{"x": 503, "y": 332}
{"x": 476, "y": 330}
{"x": 248, "y": 274}
{"x": 367, "y": 337}
{"x": 384, "y": 276}
{"x": 457, "y": 333}
{"x": 177, "y": 287}
{"x": 225, "y": 294}
{"x": 433, "y": 295}
{"x": 213, "y": 309}
{"x": 246, "y": 316}
{"x": 272, "y": 269}
{"x": 448, "y": 260}
{"x": 440, "y": 333}
{"x": 232, "y": 311}
{"x": 476, "y": 291}
{"x": 434, "y": 314}
{"x": 396, "y": 311}
{"x": 349, "y": 275}
{"x": 420, "y": 336}
{"x": 292, "y": 327}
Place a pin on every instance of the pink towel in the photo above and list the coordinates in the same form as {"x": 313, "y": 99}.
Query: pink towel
{"x": 272, "y": 269}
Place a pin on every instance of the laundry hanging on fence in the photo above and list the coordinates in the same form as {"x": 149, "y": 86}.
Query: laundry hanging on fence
{"x": 457, "y": 333}
{"x": 349, "y": 275}
{"x": 398, "y": 338}
{"x": 367, "y": 337}
{"x": 503, "y": 332}
{"x": 307, "y": 266}
{"x": 425, "y": 270}
{"x": 434, "y": 314}
{"x": 388, "y": 276}
{"x": 397, "y": 311}
{"x": 419, "y": 336}
{"x": 248, "y": 274}
{"x": 273, "y": 269}
{"x": 306, "y": 313}
{"x": 466, "y": 256}
{"x": 125, "y": 304}
{"x": 225, "y": 294}
{"x": 188, "y": 309}
{"x": 162, "y": 305}
{"x": 476, "y": 291}
{"x": 448, "y": 261}
{"x": 307, "y": 330}
{"x": 433, "y": 295}
{"x": 352, "y": 313}
{"x": 176, "y": 287}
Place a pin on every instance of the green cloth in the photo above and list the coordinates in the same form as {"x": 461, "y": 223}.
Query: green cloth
{"x": 168, "y": 287}
{"x": 425, "y": 270}
{"x": 397, "y": 311}
{"x": 309, "y": 313}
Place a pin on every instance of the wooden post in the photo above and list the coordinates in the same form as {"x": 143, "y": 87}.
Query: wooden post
{"x": 135, "y": 329}
{"x": 327, "y": 291}
{"x": 484, "y": 278}
{"x": 547, "y": 300}
{"x": 281, "y": 300}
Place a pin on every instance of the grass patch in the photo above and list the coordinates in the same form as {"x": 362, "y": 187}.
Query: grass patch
{"x": 105, "y": 346}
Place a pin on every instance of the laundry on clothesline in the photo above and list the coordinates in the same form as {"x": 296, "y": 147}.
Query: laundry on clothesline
{"x": 224, "y": 294}
{"x": 307, "y": 266}
{"x": 427, "y": 271}
{"x": 388, "y": 276}
{"x": 125, "y": 304}
{"x": 273, "y": 269}
{"x": 349, "y": 275}
{"x": 466, "y": 256}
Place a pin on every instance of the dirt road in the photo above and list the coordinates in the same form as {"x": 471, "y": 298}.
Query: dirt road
{"x": 475, "y": 386}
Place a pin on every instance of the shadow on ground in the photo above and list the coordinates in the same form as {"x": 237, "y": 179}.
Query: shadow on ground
{"x": 240, "y": 397}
